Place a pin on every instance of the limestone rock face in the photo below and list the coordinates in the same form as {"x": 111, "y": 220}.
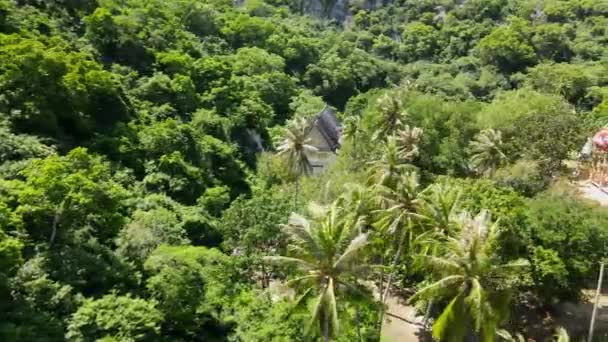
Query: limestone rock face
{"x": 339, "y": 10}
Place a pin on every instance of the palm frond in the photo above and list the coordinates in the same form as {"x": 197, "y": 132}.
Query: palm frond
{"x": 299, "y": 221}
{"x": 301, "y": 300}
{"x": 355, "y": 247}
{"x": 289, "y": 261}
{"x": 509, "y": 271}
{"x": 295, "y": 281}
{"x": 438, "y": 264}
{"x": 437, "y": 289}
{"x": 451, "y": 324}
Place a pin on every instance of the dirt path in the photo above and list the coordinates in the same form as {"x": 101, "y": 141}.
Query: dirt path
{"x": 590, "y": 191}
{"x": 400, "y": 322}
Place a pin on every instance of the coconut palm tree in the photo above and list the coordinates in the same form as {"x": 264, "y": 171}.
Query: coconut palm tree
{"x": 408, "y": 139}
{"x": 351, "y": 129}
{"x": 328, "y": 253}
{"x": 296, "y": 148}
{"x": 359, "y": 201}
{"x": 471, "y": 278}
{"x": 391, "y": 115}
{"x": 486, "y": 152}
{"x": 352, "y": 134}
{"x": 399, "y": 206}
{"x": 439, "y": 205}
{"x": 390, "y": 166}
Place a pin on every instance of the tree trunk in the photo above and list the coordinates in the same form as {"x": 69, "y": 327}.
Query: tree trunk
{"x": 56, "y": 220}
{"x": 358, "y": 325}
{"x": 54, "y": 231}
{"x": 380, "y": 293}
{"x": 264, "y": 276}
{"x": 427, "y": 314}
{"x": 295, "y": 200}
{"x": 392, "y": 274}
{"x": 326, "y": 327}
{"x": 598, "y": 293}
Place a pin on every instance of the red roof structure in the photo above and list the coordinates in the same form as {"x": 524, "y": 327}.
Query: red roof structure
{"x": 600, "y": 140}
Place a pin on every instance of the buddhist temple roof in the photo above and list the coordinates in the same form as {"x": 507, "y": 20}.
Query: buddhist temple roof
{"x": 328, "y": 125}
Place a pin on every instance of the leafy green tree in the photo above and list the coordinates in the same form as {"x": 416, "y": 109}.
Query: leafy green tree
{"x": 117, "y": 317}
{"x": 244, "y": 30}
{"x": 524, "y": 176}
{"x": 552, "y": 41}
{"x": 509, "y": 106}
{"x": 251, "y": 226}
{"x": 448, "y": 127}
{"x": 38, "y": 306}
{"x": 532, "y": 137}
{"x": 507, "y": 47}
{"x": 420, "y": 41}
{"x": 10, "y": 256}
{"x": 187, "y": 283}
{"x": 565, "y": 239}
{"x": 178, "y": 91}
{"x": 15, "y": 147}
{"x": 55, "y": 92}
{"x": 385, "y": 47}
{"x": 345, "y": 70}
{"x": 148, "y": 230}
{"x": 113, "y": 36}
{"x": 473, "y": 280}
{"x": 328, "y": 251}
{"x": 480, "y": 9}
{"x": 66, "y": 200}
{"x": 571, "y": 81}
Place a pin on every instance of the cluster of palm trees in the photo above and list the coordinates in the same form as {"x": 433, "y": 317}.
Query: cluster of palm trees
{"x": 392, "y": 221}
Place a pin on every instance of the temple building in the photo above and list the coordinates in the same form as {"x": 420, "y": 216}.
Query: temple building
{"x": 325, "y": 136}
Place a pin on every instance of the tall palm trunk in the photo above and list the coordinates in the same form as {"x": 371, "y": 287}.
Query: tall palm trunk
{"x": 380, "y": 293}
{"x": 326, "y": 327}
{"x": 427, "y": 314}
{"x": 295, "y": 199}
{"x": 389, "y": 281}
{"x": 358, "y": 322}
{"x": 393, "y": 266}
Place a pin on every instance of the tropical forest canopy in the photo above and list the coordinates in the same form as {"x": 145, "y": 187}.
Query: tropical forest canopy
{"x": 155, "y": 181}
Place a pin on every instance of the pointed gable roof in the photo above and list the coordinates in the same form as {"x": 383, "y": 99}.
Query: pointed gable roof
{"x": 327, "y": 123}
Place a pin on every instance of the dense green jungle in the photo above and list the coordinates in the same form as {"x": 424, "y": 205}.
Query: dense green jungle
{"x": 300, "y": 170}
